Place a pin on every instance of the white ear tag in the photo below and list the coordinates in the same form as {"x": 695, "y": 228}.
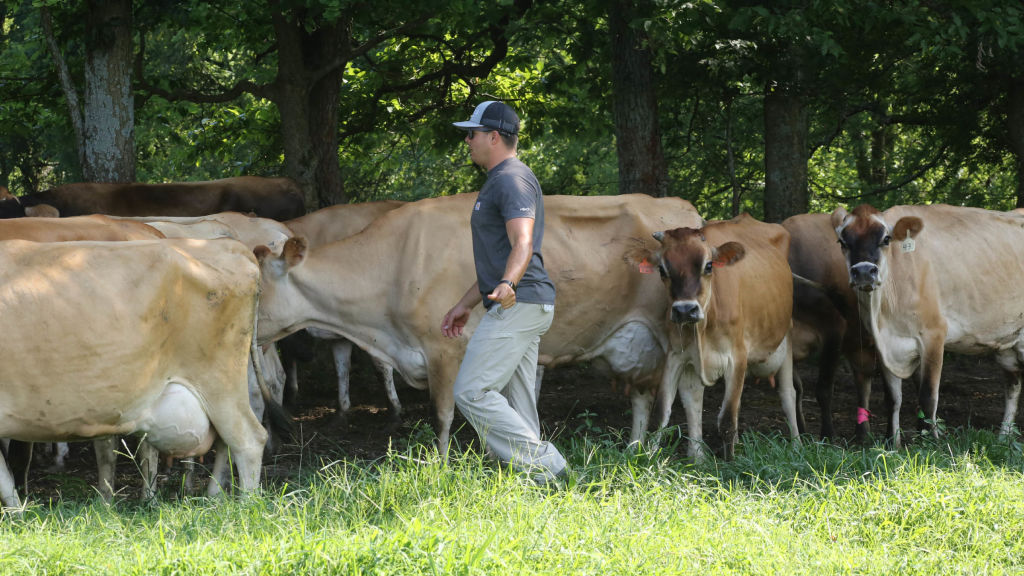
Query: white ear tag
{"x": 907, "y": 245}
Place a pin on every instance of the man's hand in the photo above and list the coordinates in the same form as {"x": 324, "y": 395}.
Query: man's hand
{"x": 504, "y": 294}
{"x": 455, "y": 320}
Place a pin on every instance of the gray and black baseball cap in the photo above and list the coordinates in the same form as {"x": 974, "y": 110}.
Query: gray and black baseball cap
{"x": 492, "y": 115}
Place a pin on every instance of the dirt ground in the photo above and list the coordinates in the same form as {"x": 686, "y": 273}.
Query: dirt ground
{"x": 574, "y": 400}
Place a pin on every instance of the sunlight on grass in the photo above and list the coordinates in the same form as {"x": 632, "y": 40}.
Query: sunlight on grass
{"x": 955, "y": 506}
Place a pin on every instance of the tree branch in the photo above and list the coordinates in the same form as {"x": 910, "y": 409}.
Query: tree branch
{"x": 70, "y": 93}
{"x": 896, "y": 185}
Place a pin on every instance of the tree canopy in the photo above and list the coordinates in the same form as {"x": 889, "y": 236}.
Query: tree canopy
{"x": 737, "y": 105}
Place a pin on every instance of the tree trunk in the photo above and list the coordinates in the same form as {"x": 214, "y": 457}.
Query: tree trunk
{"x": 642, "y": 165}
{"x": 109, "y": 107}
{"x": 309, "y": 108}
{"x": 785, "y": 154}
{"x": 1015, "y": 129}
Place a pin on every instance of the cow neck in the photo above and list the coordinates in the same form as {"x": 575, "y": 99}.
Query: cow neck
{"x": 353, "y": 309}
{"x": 687, "y": 342}
{"x": 883, "y": 303}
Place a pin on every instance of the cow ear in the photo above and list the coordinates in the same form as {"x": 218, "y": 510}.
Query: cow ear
{"x": 643, "y": 259}
{"x": 294, "y": 251}
{"x": 908, "y": 226}
{"x": 838, "y": 217}
{"x": 728, "y": 254}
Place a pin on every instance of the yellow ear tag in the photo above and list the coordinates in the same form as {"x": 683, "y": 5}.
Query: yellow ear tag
{"x": 908, "y": 243}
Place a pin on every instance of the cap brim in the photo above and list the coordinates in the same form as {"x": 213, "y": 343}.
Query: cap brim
{"x": 467, "y": 125}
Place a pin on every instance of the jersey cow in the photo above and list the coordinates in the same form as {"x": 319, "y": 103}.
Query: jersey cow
{"x": 323, "y": 227}
{"x": 169, "y": 362}
{"x": 386, "y": 288}
{"x": 275, "y": 198}
{"x": 825, "y": 317}
{"x": 936, "y": 278}
{"x": 731, "y": 296}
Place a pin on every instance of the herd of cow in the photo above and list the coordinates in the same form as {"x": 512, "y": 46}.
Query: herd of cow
{"x": 156, "y": 318}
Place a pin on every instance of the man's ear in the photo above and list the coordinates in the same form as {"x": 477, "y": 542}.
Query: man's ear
{"x": 728, "y": 254}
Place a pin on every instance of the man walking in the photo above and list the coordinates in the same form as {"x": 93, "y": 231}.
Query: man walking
{"x": 495, "y": 385}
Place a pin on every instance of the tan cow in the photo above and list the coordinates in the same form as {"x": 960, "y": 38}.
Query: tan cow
{"x": 935, "y": 278}
{"x": 387, "y": 288}
{"x": 94, "y": 227}
{"x": 275, "y": 198}
{"x": 323, "y": 227}
{"x": 825, "y": 317}
{"x": 731, "y": 295}
{"x": 168, "y": 362}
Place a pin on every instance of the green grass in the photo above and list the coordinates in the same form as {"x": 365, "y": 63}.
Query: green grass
{"x": 954, "y": 506}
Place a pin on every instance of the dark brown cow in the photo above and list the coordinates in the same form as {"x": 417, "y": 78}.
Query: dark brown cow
{"x": 731, "y": 295}
{"x": 825, "y": 317}
{"x": 275, "y": 198}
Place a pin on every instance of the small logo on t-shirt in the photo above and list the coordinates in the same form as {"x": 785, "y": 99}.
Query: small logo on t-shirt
{"x": 477, "y": 207}
{"x": 524, "y": 209}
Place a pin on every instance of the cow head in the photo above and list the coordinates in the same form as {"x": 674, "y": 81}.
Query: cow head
{"x": 278, "y": 294}
{"x": 687, "y": 263}
{"x": 866, "y": 240}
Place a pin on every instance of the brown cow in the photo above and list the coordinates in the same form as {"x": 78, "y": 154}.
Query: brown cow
{"x": 320, "y": 228}
{"x": 387, "y": 288}
{"x": 731, "y": 294}
{"x": 935, "y": 278}
{"x": 275, "y": 198}
{"x": 825, "y": 316}
{"x": 102, "y": 364}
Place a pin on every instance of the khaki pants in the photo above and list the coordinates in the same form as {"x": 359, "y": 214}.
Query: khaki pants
{"x": 495, "y": 387}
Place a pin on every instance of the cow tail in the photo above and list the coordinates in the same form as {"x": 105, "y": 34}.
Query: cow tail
{"x": 280, "y": 421}
{"x": 834, "y": 297}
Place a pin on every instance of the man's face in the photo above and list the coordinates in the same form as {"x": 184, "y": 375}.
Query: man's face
{"x": 479, "y": 142}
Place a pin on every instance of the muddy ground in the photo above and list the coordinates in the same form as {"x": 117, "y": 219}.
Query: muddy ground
{"x": 574, "y": 400}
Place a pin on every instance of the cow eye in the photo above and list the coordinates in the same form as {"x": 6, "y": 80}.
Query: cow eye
{"x": 708, "y": 267}
{"x": 886, "y": 240}
{"x": 662, "y": 271}
{"x": 843, "y": 244}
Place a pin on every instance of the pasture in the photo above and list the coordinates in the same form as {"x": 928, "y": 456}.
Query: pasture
{"x": 368, "y": 497}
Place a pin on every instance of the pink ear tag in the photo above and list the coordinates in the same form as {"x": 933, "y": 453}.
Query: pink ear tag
{"x": 646, "y": 267}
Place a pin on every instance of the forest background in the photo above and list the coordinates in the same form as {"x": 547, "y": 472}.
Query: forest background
{"x": 774, "y": 108}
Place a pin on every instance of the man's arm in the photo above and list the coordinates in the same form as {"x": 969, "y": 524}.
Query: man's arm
{"x": 520, "y": 236}
{"x": 455, "y": 320}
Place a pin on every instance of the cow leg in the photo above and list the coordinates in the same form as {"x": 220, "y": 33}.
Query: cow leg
{"x": 150, "y": 463}
{"x": 342, "y": 352}
{"x": 788, "y": 396}
{"x": 1013, "y": 387}
{"x": 220, "y": 476}
{"x": 862, "y": 366}
{"x": 931, "y": 371}
{"x": 729, "y": 414}
{"x": 441, "y": 383}
{"x": 691, "y": 393}
{"x": 667, "y": 391}
{"x": 106, "y": 463}
{"x": 894, "y": 387}
{"x": 8, "y": 494}
{"x": 642, "y": 400}
{"x": 798, "y": 386}
{"x": 388, "y": 374}
{"x": 825, "y": 386}
{"x": 61, "y": 455}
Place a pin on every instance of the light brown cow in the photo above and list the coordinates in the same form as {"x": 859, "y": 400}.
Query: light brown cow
{"x": 169, "y": 362}
{"x": 323, "y": 227}
{"x": 95, "y": 227}
{"x": 731, "y": 294}
{"x": 935, "y": 278}
{"x": 276, "y": 198}
{"x": 387, "y": 287}
{"x": 825, "y": 317}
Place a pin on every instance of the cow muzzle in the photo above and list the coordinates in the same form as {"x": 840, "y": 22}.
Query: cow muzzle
{"x": 687, "y": 312}
{"x": 864, "y": 276}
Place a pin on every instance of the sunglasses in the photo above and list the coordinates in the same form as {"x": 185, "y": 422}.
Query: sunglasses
{"x": 473, "y": 133}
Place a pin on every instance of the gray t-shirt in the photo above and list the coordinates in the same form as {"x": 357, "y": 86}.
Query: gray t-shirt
{"x": 511, "y": 191}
